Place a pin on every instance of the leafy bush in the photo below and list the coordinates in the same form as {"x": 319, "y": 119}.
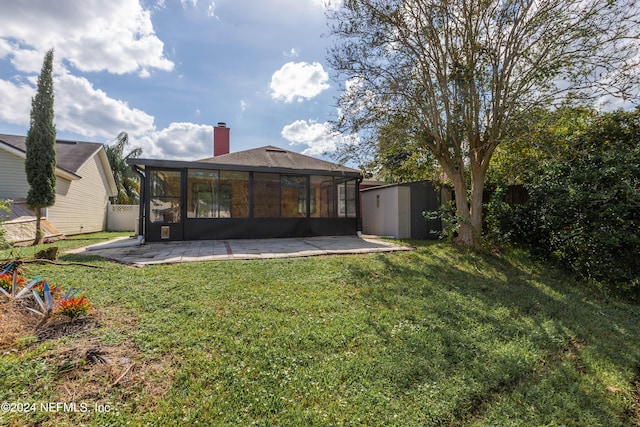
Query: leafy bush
{"x": 4, "y": 206}
{"x": 584, "y": 211}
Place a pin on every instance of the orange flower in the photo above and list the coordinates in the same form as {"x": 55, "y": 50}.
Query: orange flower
{"x": 74, "y": 307}
{"x": 6, "y": 281}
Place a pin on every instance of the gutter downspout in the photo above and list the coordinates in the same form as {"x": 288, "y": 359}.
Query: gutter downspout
{"x": 143, "y": 194}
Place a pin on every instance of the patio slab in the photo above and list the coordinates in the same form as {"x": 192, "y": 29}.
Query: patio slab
{"x": 127, "y": 252}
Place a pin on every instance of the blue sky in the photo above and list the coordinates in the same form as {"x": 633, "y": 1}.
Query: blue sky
{"x": 166, "y": 71}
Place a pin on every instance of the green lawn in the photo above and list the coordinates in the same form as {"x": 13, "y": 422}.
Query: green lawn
{"x": 436, "y": 336}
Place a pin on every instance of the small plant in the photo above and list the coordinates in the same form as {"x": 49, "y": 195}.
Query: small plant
{"x": 40, "y": 289}
{"x": 46, "y": 302}
{"x": 6, "y": 278}
{"x": 6, "y": 281}
{"x": 73, "y": 307}
{"x": 11, "y": 281}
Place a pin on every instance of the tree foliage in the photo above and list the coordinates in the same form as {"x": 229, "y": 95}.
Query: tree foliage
{"x": 457, "y": 73}
{"x": 396, "y": 159}
{"x": 40, "y": 163}
{"x": 5, "y": 206}
{"x": 127, "y": 182}
{"x": 584, "y": 207}
{"x": 540, "y": 137}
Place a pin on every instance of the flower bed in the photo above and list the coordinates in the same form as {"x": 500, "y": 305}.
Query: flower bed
{"x": 40, "y": 297}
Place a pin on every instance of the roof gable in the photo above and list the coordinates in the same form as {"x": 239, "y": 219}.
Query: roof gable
{"x": 70, "y": 155}
{"x": 275, "y": 157}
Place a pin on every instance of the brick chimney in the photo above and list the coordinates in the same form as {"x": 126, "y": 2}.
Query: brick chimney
{"x": 220, "y": 139}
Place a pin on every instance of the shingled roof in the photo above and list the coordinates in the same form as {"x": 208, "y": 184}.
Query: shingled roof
{"x": 70, "y": 155}
{"x": 277, "y": 158}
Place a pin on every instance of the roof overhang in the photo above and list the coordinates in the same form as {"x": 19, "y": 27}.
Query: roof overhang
{"x": 62, "y": 173}
{"x": 104, "y": 160}
{"x": 142, "y": 164}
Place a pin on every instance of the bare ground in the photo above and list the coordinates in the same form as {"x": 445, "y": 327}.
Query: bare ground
{"x": 88, "y": 367}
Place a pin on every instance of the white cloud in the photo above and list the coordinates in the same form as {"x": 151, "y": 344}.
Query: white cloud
{"x": 92, "y": 35}
{"x": 293, "y": 53}
{"x": 210, "y": 6}
{"x": 320, "y": 138}
{"x": 178, "y": 141}
{"x": 297, "y": 81}
{"x": 327, "y": 4}
{"x": 79, "y": 108}
{"x": 19, "y": 94}
{"x": 82, "y": 109}
{"x": 211, "y": 10}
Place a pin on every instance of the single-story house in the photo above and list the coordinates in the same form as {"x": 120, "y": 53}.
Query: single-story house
{"x": 396, "y": 210}
{"x": 84, "y": 183}
{"x": 259, "y": 193}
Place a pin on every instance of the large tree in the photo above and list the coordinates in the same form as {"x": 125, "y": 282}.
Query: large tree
{"x": 456, "y": 73}
{"x": 40, "y": 164}
{"x": 126, "y": 181}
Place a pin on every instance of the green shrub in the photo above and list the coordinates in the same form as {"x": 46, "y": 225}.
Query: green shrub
{"x": 4, "y": 206}
{"x": 584, "y": 211}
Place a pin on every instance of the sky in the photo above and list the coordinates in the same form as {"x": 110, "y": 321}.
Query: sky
{"x": 167, "y": 71}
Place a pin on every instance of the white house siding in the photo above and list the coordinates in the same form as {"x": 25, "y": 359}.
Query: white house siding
{"x": 13, "y": 179}
{"x": 81, "y": 205}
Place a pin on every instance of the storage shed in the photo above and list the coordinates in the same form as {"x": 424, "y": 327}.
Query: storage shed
{"x": 396, "y": 210}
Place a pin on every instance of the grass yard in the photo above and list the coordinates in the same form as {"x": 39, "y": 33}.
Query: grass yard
{"x": 434, "y": 337}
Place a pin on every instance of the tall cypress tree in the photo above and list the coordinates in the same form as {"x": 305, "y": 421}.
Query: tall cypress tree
{"x": 40, "y": 164}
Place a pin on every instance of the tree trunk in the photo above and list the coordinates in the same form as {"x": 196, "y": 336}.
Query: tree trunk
{"x": 478, "y": 176}
{"x": 39, "y": 233}
{"x": 466, "y": 236}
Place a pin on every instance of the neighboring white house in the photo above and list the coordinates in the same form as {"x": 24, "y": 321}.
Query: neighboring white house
{"x": 84, "y": 183}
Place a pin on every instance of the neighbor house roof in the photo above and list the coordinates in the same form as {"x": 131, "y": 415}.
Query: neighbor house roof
{"x": 71, "y": 156}
{"x": 263, "y": 159}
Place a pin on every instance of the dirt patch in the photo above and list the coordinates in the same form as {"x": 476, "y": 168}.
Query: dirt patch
{"x": 60, "y": 326}
{"x": 16, "y": 323}
{"x": 90, "y": 371}
{"x": 90, "y": 362}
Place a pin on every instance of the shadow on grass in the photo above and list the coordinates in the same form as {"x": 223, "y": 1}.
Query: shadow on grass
{"x": 500, "y": 331}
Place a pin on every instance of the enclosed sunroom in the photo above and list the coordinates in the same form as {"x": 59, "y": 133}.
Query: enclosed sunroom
{"x": 260, "y": 193}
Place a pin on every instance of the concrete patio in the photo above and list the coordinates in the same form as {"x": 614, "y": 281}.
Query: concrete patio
{"x": 127, "y": 252}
